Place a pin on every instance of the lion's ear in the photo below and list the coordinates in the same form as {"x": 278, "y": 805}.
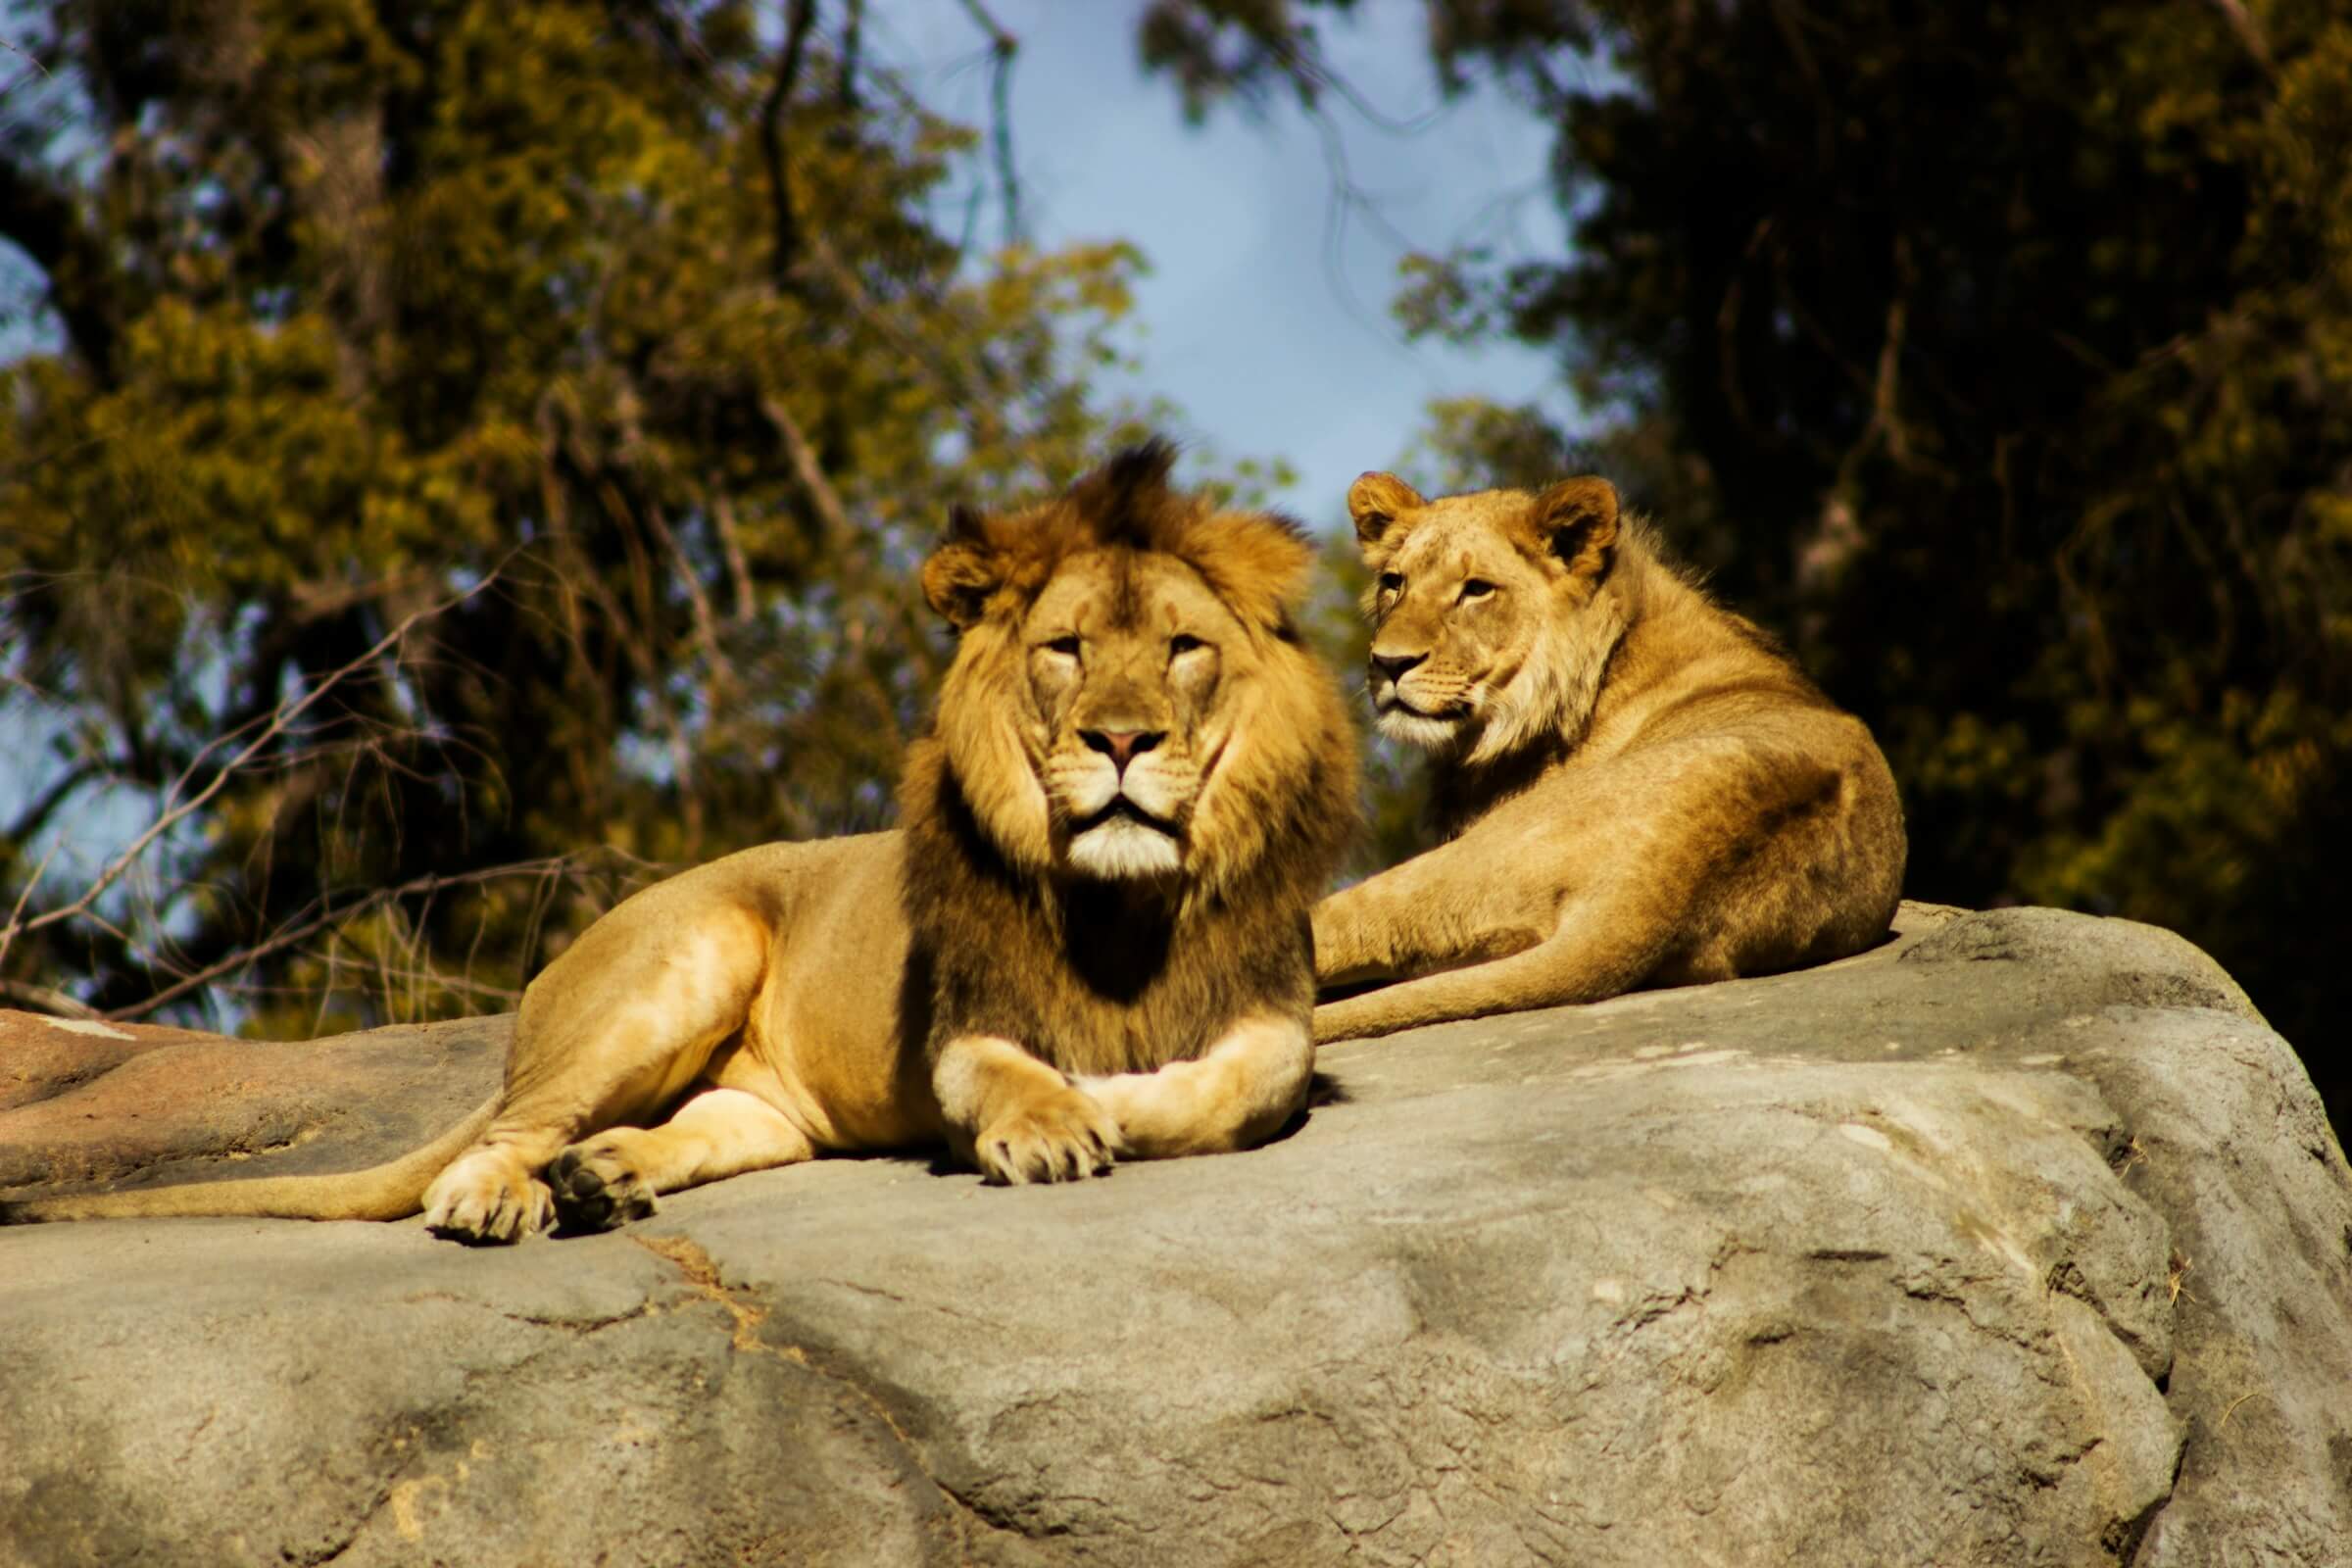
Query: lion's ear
{"x": 1373, "y": 502}
{"x": 1577, "y": 522}
{"x": 965, "y": 573}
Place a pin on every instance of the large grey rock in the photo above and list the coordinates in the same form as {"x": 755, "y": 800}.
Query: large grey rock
{"x": 2019, "y": 1240}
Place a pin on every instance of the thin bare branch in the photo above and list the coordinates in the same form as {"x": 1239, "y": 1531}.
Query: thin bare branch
{"x": 280, "y": 721}
{"x": 2249, "y": 32}
{"x": 8, "y": 933}
{"x": 334, "y": 915}
{"x": 722, "y": 510}
{"x": 840, "y": 532}
{"x": 45, "y": 999}
{"x": 706, "y": 621}
{"x": 38, "y": 812}
{"x": 25, "y": 55}
{"x": 1002, "y": 47}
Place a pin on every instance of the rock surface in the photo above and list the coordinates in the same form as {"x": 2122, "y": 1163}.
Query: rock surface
{"x": 2018, "y": 1240}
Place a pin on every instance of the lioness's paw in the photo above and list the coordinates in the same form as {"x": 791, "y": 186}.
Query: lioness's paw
{"x": 1065, "y": 1136}
{"x": 485, "y": 1196}
{"x": 597, "y": 1189}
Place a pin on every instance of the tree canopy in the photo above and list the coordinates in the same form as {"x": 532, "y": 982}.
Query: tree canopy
{"x": 479, "y": 456}
{"x": 1999, "y": 355}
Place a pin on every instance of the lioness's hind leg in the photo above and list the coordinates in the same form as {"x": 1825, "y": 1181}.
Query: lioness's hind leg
{"x": 613, "y": 1177}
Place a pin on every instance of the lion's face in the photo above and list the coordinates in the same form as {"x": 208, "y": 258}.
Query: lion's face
{"x": 1475, "y": 603}
{"x": 1128, "y": 701}
{"x": 1126, "y": 657}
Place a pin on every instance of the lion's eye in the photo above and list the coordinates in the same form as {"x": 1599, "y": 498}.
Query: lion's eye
{"x": 1391, "y": 582}
{"x": 1477, "y": 588}
{"x": 1183, "y": 643}
{"x": 1067, "y": 646}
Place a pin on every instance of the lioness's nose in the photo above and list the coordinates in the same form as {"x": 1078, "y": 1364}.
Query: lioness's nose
{"x": 1121, "y": 745}
{"x": 1394, "y": 665}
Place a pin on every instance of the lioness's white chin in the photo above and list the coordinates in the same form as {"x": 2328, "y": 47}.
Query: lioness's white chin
{"x": 1401, "y": 723}
{"x": 1123, "y": 848}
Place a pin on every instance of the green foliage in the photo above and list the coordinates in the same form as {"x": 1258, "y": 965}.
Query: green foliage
{"x": 491, "y": 321}
{"x": 2001, "y": 357}
{"x": 1394, "y": 787}
{"x": 1475, "y": 445}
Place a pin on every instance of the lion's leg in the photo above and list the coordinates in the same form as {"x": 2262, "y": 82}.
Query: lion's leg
{"x": 1557, "y": 972}
{"x": 612, "y": 1176}
{"x": 611, "y": 1033}
{"x": 1236, "y": 1094}
{"x": 1438, "y": 910}
{"x": 1015, "y": 1117}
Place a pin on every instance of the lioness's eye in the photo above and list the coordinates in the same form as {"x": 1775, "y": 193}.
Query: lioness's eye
{"x": 1391, "y": 582}
{"x": 1065, "y": 646}
{"x": 1183, "y": 643}
{"x": 1477, "y": 588}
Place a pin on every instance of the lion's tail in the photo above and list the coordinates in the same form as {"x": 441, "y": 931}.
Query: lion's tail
{"x": 393, "y": 1190}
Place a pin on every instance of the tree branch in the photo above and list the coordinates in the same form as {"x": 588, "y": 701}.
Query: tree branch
{"x": 853, "y": 30}
{"x": 35, "y": 816}
{"x": 280, "y": 719}
{"x": 1003, "y": 47}
{"x": 840, "y": 532}
{"x": 2249, "y": 32}
{"x": 40, "y": 219}
{"x": 332, "y": 914}
{"x": 706, "y": 621}
{"x": 45, "y": 999}
{"x": 772, "y": 140}
{"x": 722, "y": 507}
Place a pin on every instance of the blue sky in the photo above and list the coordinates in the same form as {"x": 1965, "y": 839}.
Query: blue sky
{"x": 1265, "y": 318}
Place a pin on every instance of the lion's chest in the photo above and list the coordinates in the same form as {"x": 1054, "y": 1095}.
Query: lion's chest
{"x": 1094, "y": 994}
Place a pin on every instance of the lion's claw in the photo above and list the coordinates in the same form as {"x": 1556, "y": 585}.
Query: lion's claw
{"x": 1061, "y": 1137}
{"x": 487, "y": 1197}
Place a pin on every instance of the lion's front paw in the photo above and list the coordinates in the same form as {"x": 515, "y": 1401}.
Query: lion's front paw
{"x": 597, "y": 1189}
{"x": 1062, "y": 1137}
{"x": 487, "y": 1196}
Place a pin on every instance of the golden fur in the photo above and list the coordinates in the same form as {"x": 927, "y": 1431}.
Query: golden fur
{"x": 1639, "y": 787}
{"x": 1088, "y": 937}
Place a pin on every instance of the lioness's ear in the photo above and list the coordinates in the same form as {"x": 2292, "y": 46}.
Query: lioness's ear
{"x": 1374, "y": 501}
{"x": 1577, "y": 522}
{"x": 962, "y": 573}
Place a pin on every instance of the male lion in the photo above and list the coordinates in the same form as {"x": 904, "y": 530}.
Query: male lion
{"x": 1640, "y": 787}
{"x": 1088, "y": 938}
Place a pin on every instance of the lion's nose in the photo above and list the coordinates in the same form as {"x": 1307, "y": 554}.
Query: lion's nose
{"x": 1121, "y": 745}
{"x": 1394, "y": 665}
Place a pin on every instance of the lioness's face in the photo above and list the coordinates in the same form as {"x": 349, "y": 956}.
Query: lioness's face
{"x": 1454, "y": 611}
{"x": 1472, "y": 599}
{"x": 1127, "y": 655}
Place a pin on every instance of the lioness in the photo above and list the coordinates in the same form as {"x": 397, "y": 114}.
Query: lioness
{"x": 1087, "y": 939}
{"x": 1640, "y": 788}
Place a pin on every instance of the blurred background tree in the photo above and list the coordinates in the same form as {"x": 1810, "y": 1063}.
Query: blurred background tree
{"x": 479, "y": 465}
{"x": 1999, "y": 355}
